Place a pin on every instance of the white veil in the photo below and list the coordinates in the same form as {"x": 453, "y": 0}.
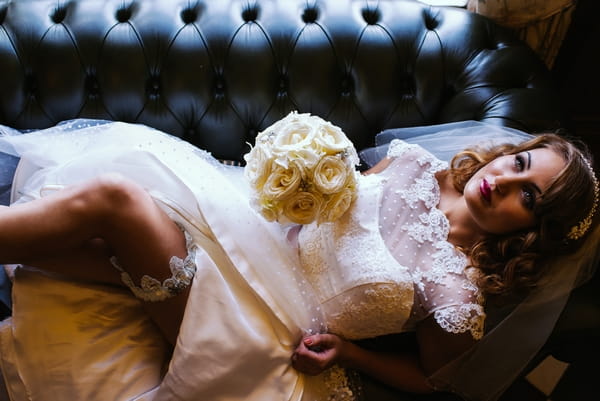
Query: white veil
{"x": 517, "y": 335}
{"x": 443, "y": 140}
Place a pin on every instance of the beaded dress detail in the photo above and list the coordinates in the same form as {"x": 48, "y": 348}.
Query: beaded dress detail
{"x": 387, "y": 263}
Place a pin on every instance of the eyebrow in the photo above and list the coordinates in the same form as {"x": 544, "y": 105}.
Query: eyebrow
{"x": 538, "y": 190}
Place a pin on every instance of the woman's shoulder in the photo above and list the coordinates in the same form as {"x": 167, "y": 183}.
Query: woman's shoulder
{"x": 399, "y": 148}
{"x": 406, "y": 153}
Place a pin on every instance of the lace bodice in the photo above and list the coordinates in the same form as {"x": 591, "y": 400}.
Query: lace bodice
{"x": 387, "y": 263}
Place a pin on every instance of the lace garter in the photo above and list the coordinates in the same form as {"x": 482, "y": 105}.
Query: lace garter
{"x": 151, "y": 289}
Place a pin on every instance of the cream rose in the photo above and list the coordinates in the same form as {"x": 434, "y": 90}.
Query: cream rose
{"x": 295, "y": 135}
{"x": 302, "y": 169}
{"x": 330, "y": 174}
{"x": 267, "y": 208}
{"x": 331, "y": 139}
{"x": 303, "y": 207}
{"x": 258, "y": 166}
{"x": 283, "y": 182}
{"x": 337, "y": 205}
{"x": 307, "y": 158}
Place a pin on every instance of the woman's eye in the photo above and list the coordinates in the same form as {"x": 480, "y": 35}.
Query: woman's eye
{"x": 529, "y": 199}
{"x": 519, "y": 162}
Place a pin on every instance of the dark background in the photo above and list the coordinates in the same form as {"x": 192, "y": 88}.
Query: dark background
{"x": 577, "y": 73}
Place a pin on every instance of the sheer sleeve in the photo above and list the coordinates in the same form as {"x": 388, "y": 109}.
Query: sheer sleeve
{"x": 461, "y": 319}
{"x": 448, "y": 294}
{"x": 458, "y": 310}
{"x": 416, "y": 233}
{"x": 398, "y": 148}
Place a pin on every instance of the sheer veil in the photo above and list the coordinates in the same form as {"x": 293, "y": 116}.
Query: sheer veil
{"x": 443, "y": 140}
{"x": 514, "y": 337}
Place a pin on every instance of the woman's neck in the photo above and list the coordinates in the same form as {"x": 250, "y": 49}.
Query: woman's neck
{"x": 464, "y": 232}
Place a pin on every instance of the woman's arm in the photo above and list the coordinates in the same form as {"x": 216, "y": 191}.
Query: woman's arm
{"x": 319, "y": 352}
{"x": 405, "y": 371}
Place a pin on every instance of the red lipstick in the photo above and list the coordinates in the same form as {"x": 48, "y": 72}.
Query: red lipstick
{"x": 486, "y": 190}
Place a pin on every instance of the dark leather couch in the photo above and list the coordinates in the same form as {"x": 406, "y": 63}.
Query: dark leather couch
{"x": 216, "y": 72}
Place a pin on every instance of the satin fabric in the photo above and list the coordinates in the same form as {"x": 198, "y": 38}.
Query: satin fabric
{"x": 248, "y": 306}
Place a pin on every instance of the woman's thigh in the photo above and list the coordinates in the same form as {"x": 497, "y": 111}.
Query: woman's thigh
{"x": 79, "y": 229}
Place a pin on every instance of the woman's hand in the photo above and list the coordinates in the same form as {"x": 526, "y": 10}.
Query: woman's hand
{"x": 317, "y": 353}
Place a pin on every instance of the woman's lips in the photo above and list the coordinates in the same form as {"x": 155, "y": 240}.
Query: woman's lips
{"x": 486, "y": 190}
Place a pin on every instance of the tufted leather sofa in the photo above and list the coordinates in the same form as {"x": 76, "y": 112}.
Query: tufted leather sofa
{"x": 216, "y": 72}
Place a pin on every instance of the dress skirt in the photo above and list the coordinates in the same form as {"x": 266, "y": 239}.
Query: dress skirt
{"x": 248, "y": 307}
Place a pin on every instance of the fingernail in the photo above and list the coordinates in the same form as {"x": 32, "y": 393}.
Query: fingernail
{"x": 307, "y": 341}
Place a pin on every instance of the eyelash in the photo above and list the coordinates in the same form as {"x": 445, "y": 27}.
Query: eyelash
{"x": 529, "y": 197}
{"x": 519, "y": 162}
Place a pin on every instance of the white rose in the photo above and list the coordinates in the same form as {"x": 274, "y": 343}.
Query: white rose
{"x": 330, "y": 174}
{"x": 283, "y": 182}
{"x": 303, "y": 207}
{"x": 267, "y": 208}
{"x": 268, "y": 134}
{"x": 331, "y": 139}
{"x": 337, "y": 205}
{"x": 307, "y": 158}
{"x": 294, "y": 136}
{"x": 257, "y": 166}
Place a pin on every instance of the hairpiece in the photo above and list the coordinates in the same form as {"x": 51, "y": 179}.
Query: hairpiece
{"x": 579, "y": 230}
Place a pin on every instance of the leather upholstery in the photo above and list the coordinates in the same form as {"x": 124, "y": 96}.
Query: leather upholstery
{"x": 217, "y": 72}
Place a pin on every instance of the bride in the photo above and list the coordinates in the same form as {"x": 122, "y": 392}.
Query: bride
{"x": 242, "y": 299}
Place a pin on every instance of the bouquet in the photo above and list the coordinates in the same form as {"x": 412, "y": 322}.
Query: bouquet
{"x": 302, "y": 169}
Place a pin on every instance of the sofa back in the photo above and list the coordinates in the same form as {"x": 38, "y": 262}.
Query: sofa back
{"x": 216, "y": 72}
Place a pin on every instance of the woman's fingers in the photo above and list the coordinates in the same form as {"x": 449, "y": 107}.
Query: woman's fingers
{"x": 316, "y": 353}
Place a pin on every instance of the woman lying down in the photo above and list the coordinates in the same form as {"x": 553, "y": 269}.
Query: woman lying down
{"x": 150, "y": 271}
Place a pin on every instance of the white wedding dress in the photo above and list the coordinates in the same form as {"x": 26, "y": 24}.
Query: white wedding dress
{"x": 381, "y": 269}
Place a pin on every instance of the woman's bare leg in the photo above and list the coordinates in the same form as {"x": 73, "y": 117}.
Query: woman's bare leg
{"x": 90, "y": 263}
{"x": 109, "y": 210}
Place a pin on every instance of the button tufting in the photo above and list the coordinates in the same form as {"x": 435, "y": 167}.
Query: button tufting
{"x": 310, "y": 15}
{"x": 92, "y": 86}
{"x": 449, "y": 91}
{"x": 283, "y": 84}
{"x": 250, "y": 14}
{"x": 153, "y": 86}
{"x": 190, "y": 133}
{"x": 371, "y": 15}
{"x": 189, "y": 16}
{"x": 492, "y": 44}
{"x": 407, "y": 84}
{"x": 58, "y": 15}
{"x": 430, "y": 21}
{"x": 219, "y": 87}
{"x": 346, "y": 86}
{"x": 123, "y": 14}
{"x": 30, "y": 84}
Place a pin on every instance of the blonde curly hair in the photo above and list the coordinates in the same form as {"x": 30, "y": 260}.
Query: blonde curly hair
{"x": 511, "y": 264}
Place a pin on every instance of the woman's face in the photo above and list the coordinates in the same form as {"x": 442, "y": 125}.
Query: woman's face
{"x": 502, "y": 195}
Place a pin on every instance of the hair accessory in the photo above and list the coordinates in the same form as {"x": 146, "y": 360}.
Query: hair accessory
{"x": 579, "y": 230}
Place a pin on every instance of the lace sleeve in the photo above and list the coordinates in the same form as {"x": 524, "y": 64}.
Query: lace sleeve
{"x": 398, "y": 148}
{"x": 461, "y": 318}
